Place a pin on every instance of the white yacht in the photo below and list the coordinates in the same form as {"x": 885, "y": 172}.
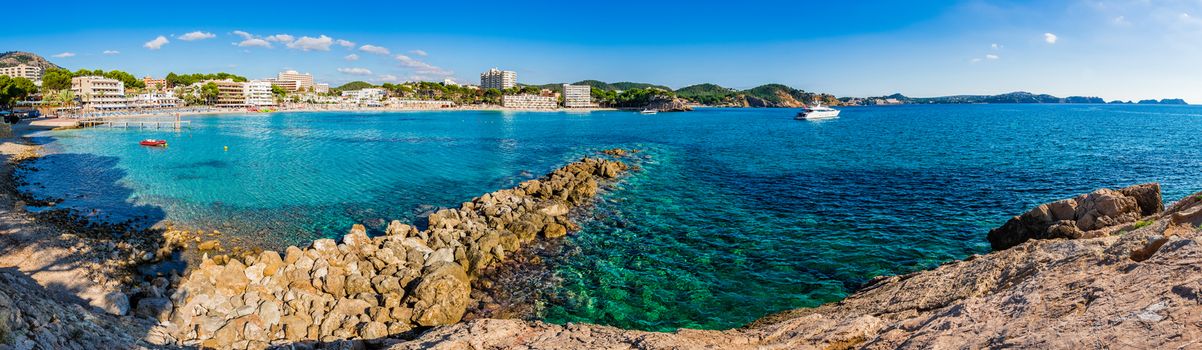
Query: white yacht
{"x": 818, "y": 111}
{"x": 648, "y": 111}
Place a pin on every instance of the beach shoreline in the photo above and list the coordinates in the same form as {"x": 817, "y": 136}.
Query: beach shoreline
{"x": 191, "y": 112}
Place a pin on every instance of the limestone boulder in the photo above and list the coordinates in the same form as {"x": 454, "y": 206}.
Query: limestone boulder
{"x": 441, "y": 295}
{"x": 1079, "y": 216}
{"x": 116, "y": 303}
{"x": 154, "y": 308}
{"x": 271, "y": 261}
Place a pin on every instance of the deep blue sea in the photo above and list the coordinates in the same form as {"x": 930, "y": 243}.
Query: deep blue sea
{"x": 736, "y": 214}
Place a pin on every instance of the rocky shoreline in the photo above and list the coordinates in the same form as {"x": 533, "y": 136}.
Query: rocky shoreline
{"x": 1129, "y": 280}
{"x": 1111, "y": 268}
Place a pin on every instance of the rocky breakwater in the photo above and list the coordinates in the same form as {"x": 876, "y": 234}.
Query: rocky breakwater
{"x": 373, "y": 287}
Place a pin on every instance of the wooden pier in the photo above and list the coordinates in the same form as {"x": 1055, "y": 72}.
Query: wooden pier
{"x": 138, "y": 123}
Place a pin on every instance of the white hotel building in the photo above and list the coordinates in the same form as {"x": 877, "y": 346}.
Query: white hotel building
{"x": 498, "y": 79}
{"x": 258, "y": 93}
{"x": 99, "y": 92}
{"x": 577, "y": 96}
{"x": 368, "y": 95}
{"x": 528, "y": 101}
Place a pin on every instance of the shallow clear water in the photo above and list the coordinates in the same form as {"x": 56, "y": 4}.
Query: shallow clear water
{"x": 738, "y": 212}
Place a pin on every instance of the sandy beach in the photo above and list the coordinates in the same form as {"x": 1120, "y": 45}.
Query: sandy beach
{"x": 186, "y": 112}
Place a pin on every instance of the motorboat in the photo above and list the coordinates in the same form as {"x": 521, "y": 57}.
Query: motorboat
{"x": 816, "y": 112}
{"x": 153, "y": 143}
{"x": 648, "y": 111}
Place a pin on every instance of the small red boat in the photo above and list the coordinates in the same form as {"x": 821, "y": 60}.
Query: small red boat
{"x": 153, "y": 143}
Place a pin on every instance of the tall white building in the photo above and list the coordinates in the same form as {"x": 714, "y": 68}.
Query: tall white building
{"x": 23, "y": 71}
{"x": 498, "y": 79}
{"x": 258, "y": 93}
{"x": 99, "y": 92}
{"x": 304, "y": 82}
{"x": 577, "y": 96}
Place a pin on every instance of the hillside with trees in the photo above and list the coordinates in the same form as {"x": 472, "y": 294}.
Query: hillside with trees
{"x": 768, "y": 95}
{"x": 176, "y": 80}
{"x": 60, "y": 79}
{"x": 707, "y": 94}
{"x": 355, "y": 85}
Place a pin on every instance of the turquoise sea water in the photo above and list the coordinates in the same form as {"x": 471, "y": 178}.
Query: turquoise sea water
{"x": 737, "y": 212}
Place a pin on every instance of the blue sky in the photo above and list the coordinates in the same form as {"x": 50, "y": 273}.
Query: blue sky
{"x": 1122, "y": 49}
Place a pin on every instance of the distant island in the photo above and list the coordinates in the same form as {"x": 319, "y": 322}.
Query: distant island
{"x": 1013, "y": 97}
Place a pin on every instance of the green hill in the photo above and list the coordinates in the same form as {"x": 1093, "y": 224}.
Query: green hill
{"x": 355, "y": 85}
{"x": 707, "y": 94}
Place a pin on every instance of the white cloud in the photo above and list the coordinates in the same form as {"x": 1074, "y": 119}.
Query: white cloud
{"x": 355, "y": 71}
{"x": 975, "y": 60}
{"x": 388, "y": 78}
{"x": 321, "y": 43}
{"x": 374, "y": 49}
{"x": 254, "y": 42}
{"x": 995, "y": 46}
{"x": 1050, "y": 38}
{"x": 111, "y": 52}
{"x": 1121, "y": 21}
{"x": 251, "y": 40}
{"x": 419, "y": 53}
{"x": 156, "y": 43}
{"x": 992, "y": 56}
{"x": 351, "y": 57}
{"x": 281, "y": 38}
{"x": 197, "y": 35}
{"x": 422, "y": 67}
{"x": 345, "y": 43}
{"x": 64, "y": 55}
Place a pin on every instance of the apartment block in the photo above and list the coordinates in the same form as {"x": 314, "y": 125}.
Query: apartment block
{"x": 258, "y": 93}
{"x": 577, "y": 96}
{"x": 153, "y": 84}
{"x": 498, "y": 79}
{"x": 99, "y": 92}
{"x": 529, "y": 101}
{"x": 23, "y": 71}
